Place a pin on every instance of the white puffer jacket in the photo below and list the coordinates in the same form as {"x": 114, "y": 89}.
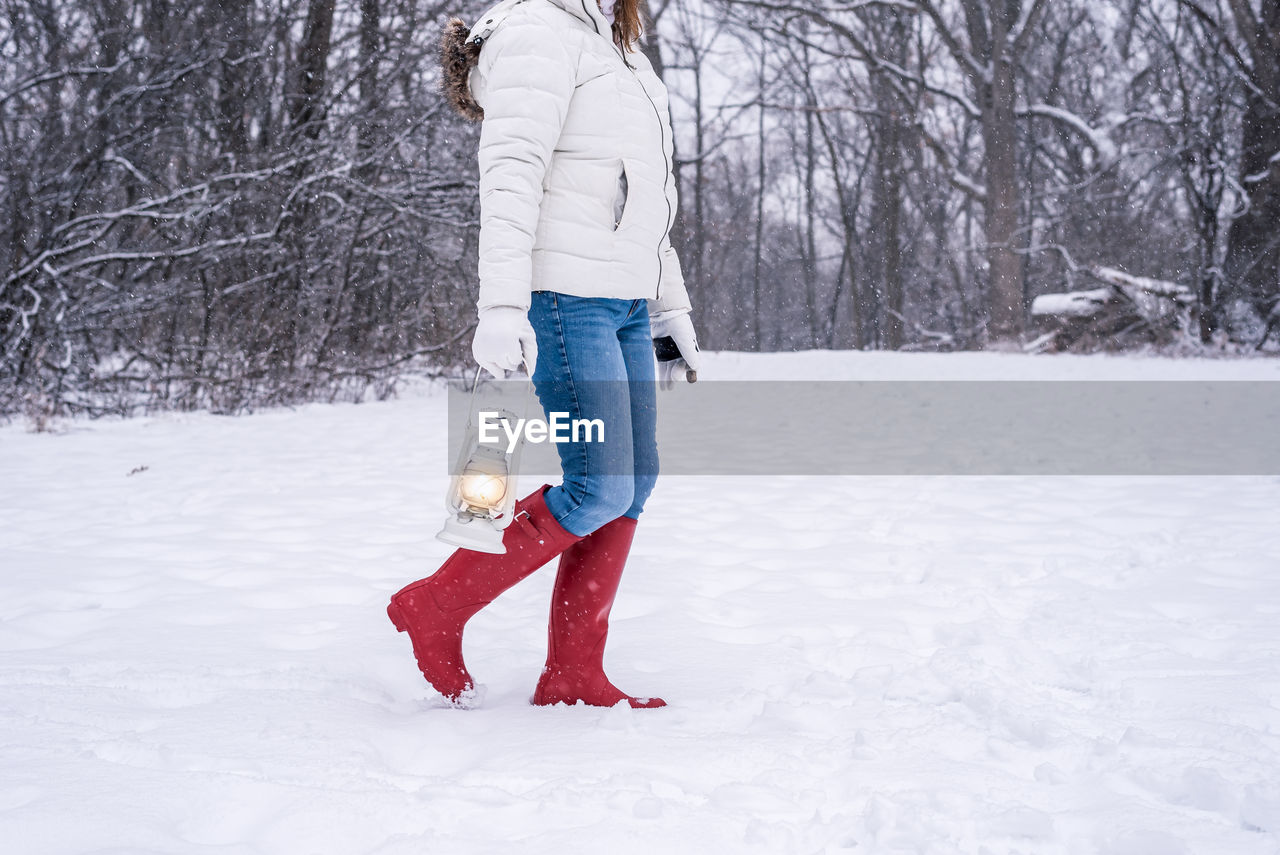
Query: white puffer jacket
{"x": 576, "y": 187}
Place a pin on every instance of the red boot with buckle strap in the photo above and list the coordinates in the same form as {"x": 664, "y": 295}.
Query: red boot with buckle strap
{"x": 586, "y": 584}
{"x": 433, "y": 611}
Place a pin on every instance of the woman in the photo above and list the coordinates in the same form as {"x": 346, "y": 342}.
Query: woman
{"x": 577, "y": 274}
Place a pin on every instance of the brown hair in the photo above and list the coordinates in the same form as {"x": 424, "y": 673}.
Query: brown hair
{"x": 626, "y": 24}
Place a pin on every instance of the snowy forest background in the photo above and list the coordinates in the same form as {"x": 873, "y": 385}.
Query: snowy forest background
{"x": 237, "y": 203}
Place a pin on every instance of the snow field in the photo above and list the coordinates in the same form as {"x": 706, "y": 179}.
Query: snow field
{"x": 194, "y": 658}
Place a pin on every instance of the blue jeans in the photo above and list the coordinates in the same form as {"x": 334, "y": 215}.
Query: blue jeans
{"x": 595, "y": 361}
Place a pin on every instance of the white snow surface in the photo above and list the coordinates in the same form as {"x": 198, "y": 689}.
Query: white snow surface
{"x": 195, "y": 657}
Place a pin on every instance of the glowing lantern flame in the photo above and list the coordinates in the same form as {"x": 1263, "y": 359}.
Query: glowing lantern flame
{"x": 482, "y": 490}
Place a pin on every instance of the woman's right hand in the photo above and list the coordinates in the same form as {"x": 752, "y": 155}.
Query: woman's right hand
{"x": 504, "y": 338}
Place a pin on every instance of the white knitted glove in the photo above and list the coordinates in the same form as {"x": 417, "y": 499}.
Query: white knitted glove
{"x": 504, "y": 338}
{"x": 679, "y": 327}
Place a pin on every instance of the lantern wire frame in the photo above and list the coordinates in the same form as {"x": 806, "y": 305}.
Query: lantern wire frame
{"x": 477, "y": 516}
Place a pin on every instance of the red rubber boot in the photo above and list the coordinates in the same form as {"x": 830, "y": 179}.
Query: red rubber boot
{"x": 433, "y": 611}
{"x": 586, "y": 585}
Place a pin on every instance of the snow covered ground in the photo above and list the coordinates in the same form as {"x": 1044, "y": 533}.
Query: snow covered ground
{"x": 194, "y": 656}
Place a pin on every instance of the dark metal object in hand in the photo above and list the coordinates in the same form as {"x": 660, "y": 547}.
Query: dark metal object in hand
{"x": 667, "y": 350}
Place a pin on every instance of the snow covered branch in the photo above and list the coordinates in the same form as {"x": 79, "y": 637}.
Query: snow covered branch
{"x": 1126, "y": 305}
{"x": 1103, "y": 146}
{"x": 1072, "y": 304}
{"x": 970, "y": 187}
{"x": 1273, "y": 163}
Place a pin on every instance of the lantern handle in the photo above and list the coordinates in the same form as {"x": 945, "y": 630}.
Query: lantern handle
{"x": 471, "y": 403}
{"x": 475, "y": 386}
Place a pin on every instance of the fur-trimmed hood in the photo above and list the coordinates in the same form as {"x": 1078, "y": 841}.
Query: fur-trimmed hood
{"x": 460, "y": 51}
{"x": 460, "y": 48}
{"x": 458, "y": 56}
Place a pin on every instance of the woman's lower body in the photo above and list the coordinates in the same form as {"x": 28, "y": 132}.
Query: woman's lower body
{"x": 595, "y": 362}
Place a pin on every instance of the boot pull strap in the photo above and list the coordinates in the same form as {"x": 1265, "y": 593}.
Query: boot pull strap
{"x": 522, "y": 519}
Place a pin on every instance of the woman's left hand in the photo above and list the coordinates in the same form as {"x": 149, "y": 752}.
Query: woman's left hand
{"x": 679, "y": 329}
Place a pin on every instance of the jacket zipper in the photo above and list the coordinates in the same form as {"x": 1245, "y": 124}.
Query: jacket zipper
{"x": 657, "y": 293}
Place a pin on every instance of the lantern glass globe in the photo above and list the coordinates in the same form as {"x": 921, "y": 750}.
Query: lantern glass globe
{"x": 482, "y": 489}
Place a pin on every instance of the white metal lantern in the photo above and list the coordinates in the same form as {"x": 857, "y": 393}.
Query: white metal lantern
{"x": 482, "y": 492}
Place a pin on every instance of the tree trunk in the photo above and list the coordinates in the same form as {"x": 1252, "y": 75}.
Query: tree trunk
{"x": 699, "y": 180}
{"x": 370, "y": 15}
{"x": 309, "y": 78}
{"x": 1005, "y": 297}
{"x": 810, "y": 193}
{"x": 888, "y": 128}
{"x": 1253, "y": 242}
{"x": 889, "y": 189}
{"x": 235, "y": 23}
{"x": 760, "y": 189}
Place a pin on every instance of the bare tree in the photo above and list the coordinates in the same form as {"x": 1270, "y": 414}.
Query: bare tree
{"x": 236, "y": 203}
{"x": 200, "y": 223}
{"x": 1248, "y": 32}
